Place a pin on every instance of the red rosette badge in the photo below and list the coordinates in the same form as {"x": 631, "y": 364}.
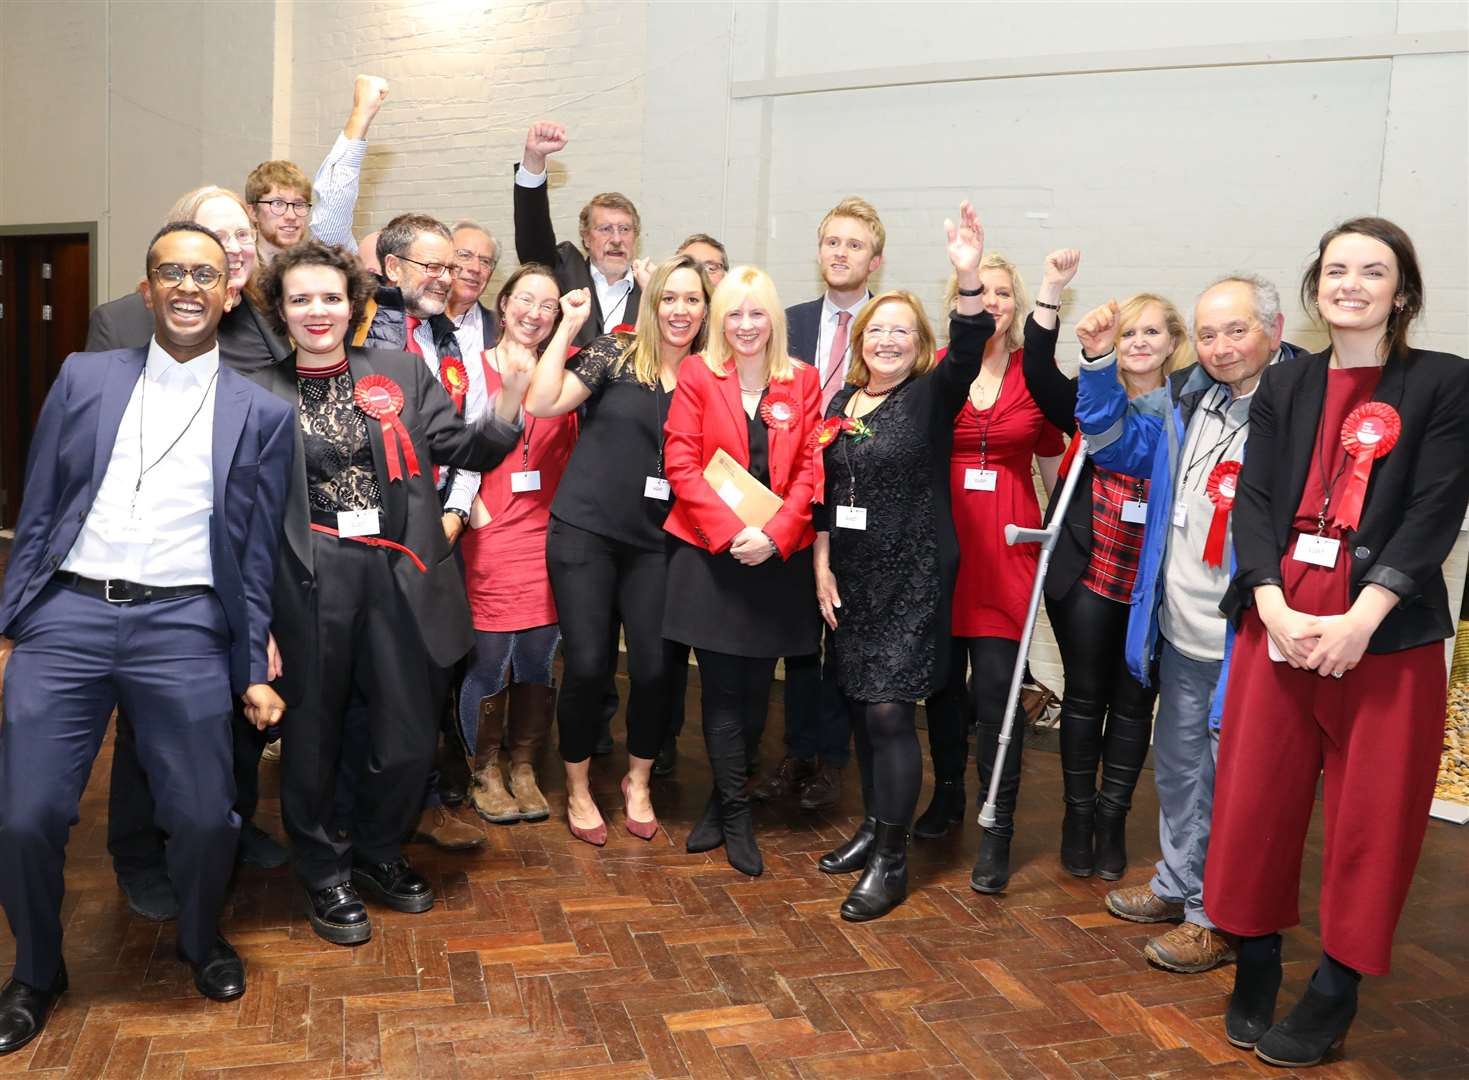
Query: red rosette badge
{"x": 455, "y": 377}
{"x": 778, "y": 410}
{"x": 1222, "y": 484}
{"x": 825, "y": 433}
{"x": 1368, "y": 433}
{"x": 382, "y": 399}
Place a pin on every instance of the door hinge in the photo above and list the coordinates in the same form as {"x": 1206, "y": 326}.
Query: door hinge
{"x": 45, "y": 312}
{"x": 45, "y": 271}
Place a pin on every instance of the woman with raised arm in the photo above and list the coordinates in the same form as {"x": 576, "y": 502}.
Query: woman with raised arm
{"x": 605, "y": 549}
{"x": 1106, "y": 715}
{"x": 886, "y": 554}
{"x": 740, "y": 595}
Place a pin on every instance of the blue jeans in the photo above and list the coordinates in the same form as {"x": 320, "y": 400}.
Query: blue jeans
{"x": 499, "y": 659}
{"x": 1184, "y": 753}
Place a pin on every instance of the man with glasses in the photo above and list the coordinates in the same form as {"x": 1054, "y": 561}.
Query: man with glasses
{"x": 709, "y": 253}
{"x": 141, "y": 576}
{"x": 476, "y": 253}
{"x": 609, "y": 236}
{"x": 281, "y": 199}
{"x": 1183, "y": 437}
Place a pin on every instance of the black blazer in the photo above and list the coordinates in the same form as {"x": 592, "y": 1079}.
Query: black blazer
{"x": 1415, "y": 499}
{"x": 410, "y": 515}
{"x": 803, "y": 330}
{"x": 535, "y": 241}
{"x": 246, "y": 342}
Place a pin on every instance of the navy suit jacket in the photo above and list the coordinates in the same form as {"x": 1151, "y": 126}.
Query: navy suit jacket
{"x": 803, "y": 330}
{"x": 254, "y": 448}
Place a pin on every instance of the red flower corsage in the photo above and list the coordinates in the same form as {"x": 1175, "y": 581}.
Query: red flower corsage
{"x": 778, "y": 410}
{"x": 1223, "y": 482}
{"x": 382, "y": 399}
{"x": 455, "y": 377}
{"x": 1368, "y": 433}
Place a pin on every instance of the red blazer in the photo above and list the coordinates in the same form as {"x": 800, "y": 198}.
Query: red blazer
{"x": 706, "y": 415}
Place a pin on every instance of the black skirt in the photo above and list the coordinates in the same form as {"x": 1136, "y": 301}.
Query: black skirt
{"x": 716, "y": 603}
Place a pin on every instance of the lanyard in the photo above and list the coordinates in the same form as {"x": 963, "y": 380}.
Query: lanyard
{"x": 1219, "y": 450}
{"x": 142, "y": 406}
{"x": 1327, "y": 485}
{"x": 990, "y": 415}
{"x": 658, "y": 417}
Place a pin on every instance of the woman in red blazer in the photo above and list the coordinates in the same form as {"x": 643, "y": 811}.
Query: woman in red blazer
{"x": 741, "y": 596}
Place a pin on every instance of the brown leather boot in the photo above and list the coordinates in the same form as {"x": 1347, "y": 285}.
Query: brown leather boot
{"x": 487, "y": 792}
{"x": 532, "y": 708}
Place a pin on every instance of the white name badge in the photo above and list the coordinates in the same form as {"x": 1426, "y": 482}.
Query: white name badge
{"x": 656, "y": 487}
{"x": 730, "y": 494}
{"x": 1317, "y": 550}
{"x": 1135, "y": 511}
{"x": 525, "y": 481}
{"x": 357, "y": 523}
{"x": 980, "y": 479}
{"x": 1180, "y": 514}
{"x": 852, "y": 517}
{"x": 126, "y": 530}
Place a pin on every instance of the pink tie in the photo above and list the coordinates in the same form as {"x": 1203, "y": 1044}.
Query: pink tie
{"x": 831, "y": 381}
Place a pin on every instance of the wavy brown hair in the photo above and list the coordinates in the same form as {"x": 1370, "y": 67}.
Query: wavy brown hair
{"x": 358, "y": 284}
{"x": 1410, "y": 278}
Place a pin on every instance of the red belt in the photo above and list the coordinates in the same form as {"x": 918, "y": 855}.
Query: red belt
{"x": 371, "y": 541}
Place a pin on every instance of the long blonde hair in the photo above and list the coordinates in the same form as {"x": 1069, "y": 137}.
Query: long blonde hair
{"x": 739, "y": 283}
{"x": 993, "y": 260}
{"x": 642, "y": 347}
{"x": 1131, "y": 309}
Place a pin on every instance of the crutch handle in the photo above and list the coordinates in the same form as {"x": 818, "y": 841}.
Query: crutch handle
{"x": 1015, "y": 534}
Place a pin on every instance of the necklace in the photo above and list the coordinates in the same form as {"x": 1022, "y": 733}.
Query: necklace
{"x": 880, "y": 393}
{"x": 751, "y": 390}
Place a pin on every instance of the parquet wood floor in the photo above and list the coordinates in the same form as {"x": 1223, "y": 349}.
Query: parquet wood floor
{"x": 546, "y": 958}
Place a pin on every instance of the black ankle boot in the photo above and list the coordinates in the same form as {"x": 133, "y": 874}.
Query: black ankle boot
{"x": 708, "y": 832}
{"x": 853, "y": 854}
{"x": 1077, "y": 828}
{"x": 992, "y": 867}
{"x": 945, "y": 810}
{"x": 1256, "y": 986}
{"x": 1111, "y": 842}
{"x": 884, "y": 883}
{"x": 1316, "y": 1026}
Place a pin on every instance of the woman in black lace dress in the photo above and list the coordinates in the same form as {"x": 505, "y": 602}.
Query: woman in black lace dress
{"x": 886, "y": 555}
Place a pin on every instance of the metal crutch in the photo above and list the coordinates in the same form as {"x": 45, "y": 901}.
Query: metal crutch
{"x": 1046, "y": 537}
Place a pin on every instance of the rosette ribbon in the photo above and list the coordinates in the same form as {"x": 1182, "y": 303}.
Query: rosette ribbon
{"x": 1368, "y": 433}
{"x": 825, "y": 433}
{"x": 455, "y": 377}
{"x": 1221, "y": 489}
{"x": 382, "y": 399}
{"x": 778, "y": 410}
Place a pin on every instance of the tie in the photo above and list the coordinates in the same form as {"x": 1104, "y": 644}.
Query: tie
{"x": 830, "y": 382}
{"x": 410, "y": 323}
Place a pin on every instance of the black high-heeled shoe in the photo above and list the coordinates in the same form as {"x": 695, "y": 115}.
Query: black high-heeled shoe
{"x": 992, "y": 866}
{"x": 1316, "y": 1026}
{"x": 708, "y": 832}
{"x": 1251, "y": 1009}
{"x": 1078, "y": 827}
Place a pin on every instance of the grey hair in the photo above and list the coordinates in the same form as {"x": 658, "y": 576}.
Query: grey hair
{"x": 477, "y": 227}
{"x": 1266, "y": 295}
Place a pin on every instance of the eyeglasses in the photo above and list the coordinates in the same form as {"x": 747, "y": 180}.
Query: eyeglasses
{"x": 715, "y": 268}
{"x": 434, "y": 269}
{"x": 1236, "y": 333}
{"x": 244, "y": 237}
{"x": 526, "y": 300}
{"x": 899, "y": 334}
{"x": 172, "y": 274}
{"x": 614, "y": 230}
{"x": 278, "y": 207}
{"x": 467, "y": 259}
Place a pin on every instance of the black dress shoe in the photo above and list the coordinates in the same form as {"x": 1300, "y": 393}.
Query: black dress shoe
{"x": 992, "y": 867}
{"x": 338, "y": 915}
{"x": 24, "y": 1011}
{"x": 259, "y": 848}
{"x": 221, "y": 977}
{"x": 150, "y": 894}
{"x": 853, "y": 854}
{"x": 395, "y": 885}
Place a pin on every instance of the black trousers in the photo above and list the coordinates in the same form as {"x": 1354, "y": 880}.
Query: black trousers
{"x": 595, "y": 580}
{"x": 367, "y": 641}
{"x": 817, "y": 720}
{"x": 1107, "y": 715}
{"x": 134, "y": 841}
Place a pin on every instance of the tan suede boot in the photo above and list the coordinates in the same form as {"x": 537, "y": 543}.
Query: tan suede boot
{"x": 491, "y": 801}
{"x": 532, "y": 709}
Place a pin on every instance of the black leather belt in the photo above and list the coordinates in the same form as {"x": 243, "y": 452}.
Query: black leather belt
{"x": 118, "y": 591}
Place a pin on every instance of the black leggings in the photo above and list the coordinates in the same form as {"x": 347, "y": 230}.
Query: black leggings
{"x": 991, "y": 662}
{"x": 735, "y": 691}
{"x": 596, "y": 579}
{"x": 1100, "y": 692}
{"x": 888, "y": 757}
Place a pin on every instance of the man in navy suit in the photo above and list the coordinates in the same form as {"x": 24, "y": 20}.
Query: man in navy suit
{"x": 140, "y": 576}
{"x": 849, "y": 243}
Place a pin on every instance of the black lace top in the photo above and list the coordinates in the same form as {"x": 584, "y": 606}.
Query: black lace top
{"x": 340, "y": 474}
{"x": 620, "y": 446}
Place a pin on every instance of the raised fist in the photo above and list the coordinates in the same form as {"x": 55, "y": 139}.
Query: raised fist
{"x": 1097, "y": 330}
{"x": 1061, "y": 266}
{"x": 576, "y": 306}
{"x": 369, "y": 93}
{"x": 545, "y": 137}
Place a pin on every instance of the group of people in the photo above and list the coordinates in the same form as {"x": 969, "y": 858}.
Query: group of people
{"x": 303, "y": 490}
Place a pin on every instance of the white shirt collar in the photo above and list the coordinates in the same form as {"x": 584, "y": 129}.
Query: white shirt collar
{"x": 829, "y": 310}
{"x": 161, "y": 367}
{"x": 599, "y": 279}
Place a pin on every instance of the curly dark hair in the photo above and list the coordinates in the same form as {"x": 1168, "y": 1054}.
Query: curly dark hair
{"x": 360, "y": 285}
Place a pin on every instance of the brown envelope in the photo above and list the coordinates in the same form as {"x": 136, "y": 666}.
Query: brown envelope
{"x": 753, "y": 502}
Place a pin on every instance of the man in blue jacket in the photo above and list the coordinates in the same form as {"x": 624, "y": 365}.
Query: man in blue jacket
{"x": 1183, "y": 437}
{"x": 140, "y": 576}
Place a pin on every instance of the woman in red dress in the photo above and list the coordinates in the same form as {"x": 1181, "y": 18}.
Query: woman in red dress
{"x": 1352, "y": 493}
{"x": 997, "y": 435}
{"x": 509, "y": 683}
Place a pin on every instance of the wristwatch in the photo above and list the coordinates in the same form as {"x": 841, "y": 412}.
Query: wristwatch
{"x": 462, "y": 515}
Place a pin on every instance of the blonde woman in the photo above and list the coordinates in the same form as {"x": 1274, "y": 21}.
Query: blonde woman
{"x": 605, "y": 548}
{"x": 741, "y": 596}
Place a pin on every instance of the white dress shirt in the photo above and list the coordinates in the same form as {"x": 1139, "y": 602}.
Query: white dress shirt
{"x": 155, "y": 530}
{"x": 827, "y": 331}
{"x": 469, "y": 331}
{"x": 476, "y": 400}
{"x": 335, "y": 192}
